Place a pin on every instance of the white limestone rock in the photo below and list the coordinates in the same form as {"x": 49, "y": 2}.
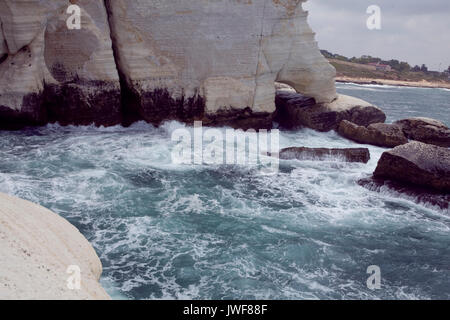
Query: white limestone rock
{"x": 36, "y": 249}
{"x": 21, "y": 21}
{"x": 211, "y": 60}
{"x": 228, "y": 53}
{"x": 76, "y": 66}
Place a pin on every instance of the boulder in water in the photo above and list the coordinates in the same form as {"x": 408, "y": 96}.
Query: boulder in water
{"x": 321, "y": 154}
{"x": 426, "y": 130}
{"x": 417, "y": 163}
{"x": 295, "y": 110}
{"x": 377, "y": 134}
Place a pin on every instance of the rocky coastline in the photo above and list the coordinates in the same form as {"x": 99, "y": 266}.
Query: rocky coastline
{"x": 419, "y": 163}
{"x": 133, "y": 64}
{"x": 399, "y": 83}
{"x": 152, "y": 61}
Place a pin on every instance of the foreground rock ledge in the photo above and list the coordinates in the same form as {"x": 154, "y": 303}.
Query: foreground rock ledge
{"x": 323, "y": 154}
{"x": 417, "y": 163}
{"x": 37, "y": 246}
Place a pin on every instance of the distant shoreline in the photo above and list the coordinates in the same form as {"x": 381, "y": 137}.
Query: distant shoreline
{"x": 400, "y": 83}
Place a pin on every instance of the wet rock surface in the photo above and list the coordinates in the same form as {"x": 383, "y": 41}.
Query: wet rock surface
{"x": 426, "y": 130}
{"x": 418, "y": 164}
{"x": 324, "y": 154}
{"x": 415, "y": 193}
{"x": 295, "y": 110}
{"x": 377, "y": 134}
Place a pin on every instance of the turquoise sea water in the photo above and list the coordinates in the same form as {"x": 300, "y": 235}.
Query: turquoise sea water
{"x": 166, "y": 231}
{"x": 404, "y": 102}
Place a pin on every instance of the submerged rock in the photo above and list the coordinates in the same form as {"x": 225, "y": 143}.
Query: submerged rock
{"x": 37, "y": 250}
{"x": 295, "y": 110}
{"x": 426, "y": 130}
{"x": 320, "y": 154}
{"x": 377, "y": 134}
{"x": 417, "y": 163}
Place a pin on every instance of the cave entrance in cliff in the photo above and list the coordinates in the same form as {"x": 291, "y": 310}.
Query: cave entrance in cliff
{"x": 285, "y": 94}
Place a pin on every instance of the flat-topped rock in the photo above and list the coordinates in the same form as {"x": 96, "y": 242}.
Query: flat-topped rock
{"x": 324, "y": 154}
{"x": 37, "y": 248}
{"x": 377, "y": 134}
{"x": 426, "y": 130}
{"x": 417, "y": 163}
{"x": 296, "y": 110}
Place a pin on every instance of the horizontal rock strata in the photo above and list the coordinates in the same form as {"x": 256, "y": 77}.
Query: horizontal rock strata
{"x": 323, "y": 154}
{"x": 215, "y": 61}
{"x": 295, "y": 110}
{"x": 378, "y": 134}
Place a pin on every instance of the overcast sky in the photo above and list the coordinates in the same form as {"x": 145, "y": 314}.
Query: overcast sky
{"x": 416, "y": 31}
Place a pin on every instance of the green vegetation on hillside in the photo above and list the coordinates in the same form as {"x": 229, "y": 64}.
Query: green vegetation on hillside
{"x": 401, "y": 70}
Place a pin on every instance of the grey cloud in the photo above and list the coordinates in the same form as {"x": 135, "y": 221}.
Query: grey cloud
{"x": 412, "y": 30}
{"x": 399, "y": 7}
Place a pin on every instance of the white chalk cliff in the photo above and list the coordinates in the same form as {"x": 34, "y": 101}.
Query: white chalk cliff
{"x": 37, "y": 249}
{"x": 49, "y": 72}
{"x": 178, "y": 59}
{"x": 230, "y": 53}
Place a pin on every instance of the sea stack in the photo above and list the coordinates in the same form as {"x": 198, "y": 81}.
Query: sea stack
{"x": 215, "y": 61}
{"x": 184, "y": 59}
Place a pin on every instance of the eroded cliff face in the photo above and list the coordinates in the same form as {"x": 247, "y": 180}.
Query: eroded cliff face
{"x": 211, "y": 60}
{"x": 51, "y": 73}
{"x": 223, "y": 54}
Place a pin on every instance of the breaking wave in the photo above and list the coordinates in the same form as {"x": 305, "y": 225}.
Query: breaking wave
{"x": 165, "y": 231}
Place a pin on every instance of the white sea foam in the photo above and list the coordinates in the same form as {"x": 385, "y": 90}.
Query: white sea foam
{"x": 166, "y": 231}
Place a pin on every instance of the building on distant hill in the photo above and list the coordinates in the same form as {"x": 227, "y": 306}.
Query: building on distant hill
{"x": 447, "y": 73}
{"x": 381, "y": 67}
